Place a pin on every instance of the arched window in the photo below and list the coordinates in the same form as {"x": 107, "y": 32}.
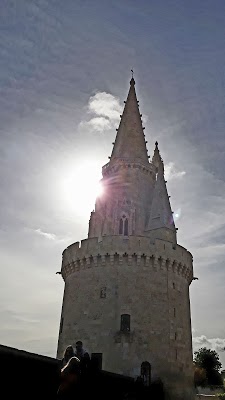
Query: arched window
{"x": 146, "y": 373}
{"x": 123, "y": 226}
{"x": 125, "y": 323}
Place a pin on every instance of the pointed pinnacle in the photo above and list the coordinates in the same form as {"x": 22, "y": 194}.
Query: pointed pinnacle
{"x": 130, "y": 139}
{"x": 132, "y": 81}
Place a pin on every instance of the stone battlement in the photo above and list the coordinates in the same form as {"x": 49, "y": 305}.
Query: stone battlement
{"x": 133, "y": 250}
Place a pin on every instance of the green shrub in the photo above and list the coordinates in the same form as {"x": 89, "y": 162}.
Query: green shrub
{"x": 221, "y": 396}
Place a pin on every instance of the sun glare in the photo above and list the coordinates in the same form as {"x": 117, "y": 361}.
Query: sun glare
{"x": 82, "y": 187}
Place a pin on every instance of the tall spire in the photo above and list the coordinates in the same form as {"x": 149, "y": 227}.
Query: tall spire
{"x": 161, "y": 215}
{"x": 130, "y": 140}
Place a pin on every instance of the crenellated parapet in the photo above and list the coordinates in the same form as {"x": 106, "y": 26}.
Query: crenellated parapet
{"x": 135, "y": 251}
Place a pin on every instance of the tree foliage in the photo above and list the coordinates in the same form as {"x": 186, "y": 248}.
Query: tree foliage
{"x": 209, "y": 361}
{"x": 200, "y": 377}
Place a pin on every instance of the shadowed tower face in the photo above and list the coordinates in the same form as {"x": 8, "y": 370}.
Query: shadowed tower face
{"x": 127, "y": 286}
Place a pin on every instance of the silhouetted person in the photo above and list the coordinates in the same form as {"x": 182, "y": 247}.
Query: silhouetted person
{"x": 70, "y": 385}
{"x": 82, "y": 355}
{"x": 68, "y": 354}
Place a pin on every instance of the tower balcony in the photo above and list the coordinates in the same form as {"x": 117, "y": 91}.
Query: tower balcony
{"x": 125, "y": 163}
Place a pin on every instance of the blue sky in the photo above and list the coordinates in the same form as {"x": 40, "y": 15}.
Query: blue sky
{"x": 64, "y": 73}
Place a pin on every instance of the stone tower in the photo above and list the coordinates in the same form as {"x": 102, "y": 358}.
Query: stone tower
{"x": 127, "y": 285}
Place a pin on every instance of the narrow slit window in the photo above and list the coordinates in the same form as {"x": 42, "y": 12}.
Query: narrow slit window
{"x": 121, "y": 227}
{"x": 174, "y": 312}
{"x": 103, "y": 293}
{"x": 61, "y": 325}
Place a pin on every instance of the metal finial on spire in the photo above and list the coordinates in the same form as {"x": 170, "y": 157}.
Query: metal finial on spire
{"x": 132, "y": 81}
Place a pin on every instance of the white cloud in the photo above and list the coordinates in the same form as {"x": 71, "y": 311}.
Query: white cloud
{"x": 50, "y": 236}
{"x": 217, "y": 344}
{"x": 171, "y": 172}
{"x": 98, "y": 123}
{"x": 106, "y": 110}
{"x": 106, "y": 105}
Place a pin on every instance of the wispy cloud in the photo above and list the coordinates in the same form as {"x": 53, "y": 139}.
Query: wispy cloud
{"x": 171, "y": 172}
{"x": 15, "y": 323}
{"x": 50, "y": 236}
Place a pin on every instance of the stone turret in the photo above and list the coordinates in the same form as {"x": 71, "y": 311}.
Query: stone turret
{"x": 127, "y": 286}
{"x": 157, "y": 159}
{"x": 161, "y": 224}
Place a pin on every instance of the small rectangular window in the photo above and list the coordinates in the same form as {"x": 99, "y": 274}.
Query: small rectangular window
{"x": 175, "y": 336}
{"x": 174, "y": 312}
{"x": 125, "y": 323}
{"x": 173, "y": 285}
